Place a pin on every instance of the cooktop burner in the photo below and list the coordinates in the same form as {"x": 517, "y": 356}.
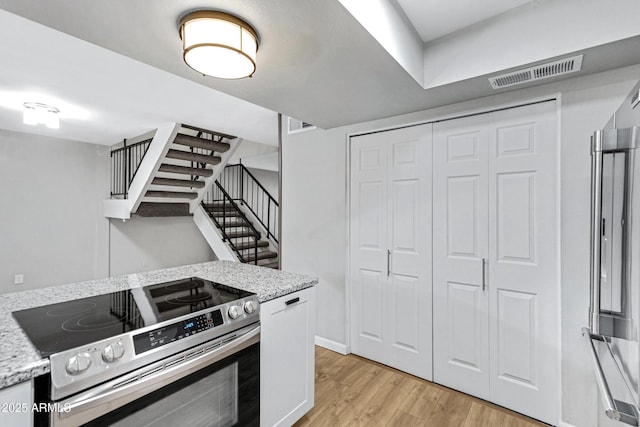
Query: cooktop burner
{"x": 58, "y": 327}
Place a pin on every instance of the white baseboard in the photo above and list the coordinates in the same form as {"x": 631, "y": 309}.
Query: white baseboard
{"x": 563, "y": 424}
{"x": 332, "y": 345}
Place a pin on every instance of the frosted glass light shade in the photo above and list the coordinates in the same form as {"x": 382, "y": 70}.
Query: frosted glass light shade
{"x": 219, "y": 45}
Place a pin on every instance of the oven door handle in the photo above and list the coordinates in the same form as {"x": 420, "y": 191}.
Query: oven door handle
{"x": 100, "y": 400}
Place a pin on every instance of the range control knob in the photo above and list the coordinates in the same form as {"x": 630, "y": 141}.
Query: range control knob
{"x": 250, "y": 306}
{"x": 235, "y": 311}
{"x": 78, "y": 363}
{"x": 112, "y": 352}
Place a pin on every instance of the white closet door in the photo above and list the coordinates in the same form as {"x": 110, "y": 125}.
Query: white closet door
{"x": 522, "y": 278}
{"x": 461, "y": 330}
{"x": 368, "y": 243}
{"x": 391, "y": 211}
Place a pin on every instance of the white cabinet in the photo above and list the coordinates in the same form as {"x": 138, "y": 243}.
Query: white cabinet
{"x": 16, "y": 403}
{"x": 287, "y": 358}
{"x": 495, "y": 290}
{"x": 390, "y": 248}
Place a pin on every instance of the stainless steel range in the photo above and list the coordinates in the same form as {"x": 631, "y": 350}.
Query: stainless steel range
{"x": 183, "y": 352}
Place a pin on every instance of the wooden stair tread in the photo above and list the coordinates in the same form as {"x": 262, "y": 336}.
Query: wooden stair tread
{"x": 228, "y": 214}
{"x": 194, "y": 141}
{"x": 193, "y": 157}
{"x": 171, "y": 194}
{"x": 186, "y": 170}
{"x": 261, "y": 255}
{"x": 151, "y": 209}
{"x": 243, "y": 233}
{"x": 250, "y": 245}
{"x": 177, "y": 182}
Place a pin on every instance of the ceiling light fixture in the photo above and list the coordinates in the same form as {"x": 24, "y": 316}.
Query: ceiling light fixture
{"x": 35, "y": 113}
{"x": 218, "y": 44}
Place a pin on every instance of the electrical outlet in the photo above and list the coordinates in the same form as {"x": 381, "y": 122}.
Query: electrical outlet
{"x": 18, "y": 279}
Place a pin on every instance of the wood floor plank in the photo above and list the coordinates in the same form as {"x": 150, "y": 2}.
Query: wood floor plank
{"x": 351, "y": 391}
{"x": 422, "y": 400}
{"x": 403, "y": 419}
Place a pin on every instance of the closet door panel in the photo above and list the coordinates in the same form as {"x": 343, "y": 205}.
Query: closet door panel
{"x": 368, "y": 240}
{"x": 409, "y": 284}
{"x": 523, "y": 260}
{"x": 461, "y": 336}
{"x": 391, "y": 248}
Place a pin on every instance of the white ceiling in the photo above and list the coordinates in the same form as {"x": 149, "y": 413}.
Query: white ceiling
{"x": 121, "y": 62}
{"x": 436, "y": 18}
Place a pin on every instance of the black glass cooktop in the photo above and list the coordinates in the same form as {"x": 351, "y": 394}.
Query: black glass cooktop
{"x": 58, "y": 327}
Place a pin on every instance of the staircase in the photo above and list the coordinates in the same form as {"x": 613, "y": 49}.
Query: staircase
{"x": 238, "y": 231}
{"x": 173, "y": 172}
{"x": 184, "y": 172}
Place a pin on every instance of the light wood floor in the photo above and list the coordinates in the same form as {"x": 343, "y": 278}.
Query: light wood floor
{"x": 352, "y": 391}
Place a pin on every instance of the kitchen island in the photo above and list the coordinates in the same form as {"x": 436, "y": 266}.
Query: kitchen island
{"x": 20, "y": 362}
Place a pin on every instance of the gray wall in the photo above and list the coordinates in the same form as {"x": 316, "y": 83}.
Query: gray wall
{"x": 268, "y": 179}
{"x": 314, "y": 202}
{"x": 50, "y": 225}
{"x": 144, "y": 244}
{"x": 52, "y": 228}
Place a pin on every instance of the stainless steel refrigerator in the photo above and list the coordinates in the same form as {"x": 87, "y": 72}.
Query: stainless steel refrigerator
{"x": 614, "y": 313}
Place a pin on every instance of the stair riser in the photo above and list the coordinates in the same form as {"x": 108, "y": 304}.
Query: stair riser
{"x": 193, "y": 157}
{"x": 171, "y": 194}
{"x": 192, "y": 141}
{"x": 186, "y": 170}
{"x": 177, "y": 183}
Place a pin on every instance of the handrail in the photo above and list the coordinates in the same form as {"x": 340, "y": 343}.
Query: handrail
{"x": 222, "y": 227}
{"x": 125, "y": 162}
{"x": 608, "y": 402}
{"x": 244, "y": 169}
{"x": 256, "y": 201}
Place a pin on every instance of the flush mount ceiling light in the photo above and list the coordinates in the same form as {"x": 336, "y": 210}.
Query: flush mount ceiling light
{"x": 218, "y": 44}
{"x": 35, "y": 113}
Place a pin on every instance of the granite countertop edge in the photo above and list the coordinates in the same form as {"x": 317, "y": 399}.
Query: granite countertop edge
{"x": 20, "y": 362}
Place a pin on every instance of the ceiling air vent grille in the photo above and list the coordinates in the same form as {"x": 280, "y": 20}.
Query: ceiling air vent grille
{"x": 544, "y": 71}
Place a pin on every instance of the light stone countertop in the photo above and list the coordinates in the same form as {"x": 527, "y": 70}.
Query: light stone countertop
{"x": 19, "y": 361}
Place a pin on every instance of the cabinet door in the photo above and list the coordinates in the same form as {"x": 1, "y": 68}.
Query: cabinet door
{"x": 523, "y": 260}
{"x": 19, "y": 401}
{"x": 460, "y": 304}
{"x": 287, "y": 358}
{"x": 391, "y": 248}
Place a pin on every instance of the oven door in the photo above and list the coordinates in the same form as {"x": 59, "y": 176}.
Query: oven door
{"x": 202, "y": 386}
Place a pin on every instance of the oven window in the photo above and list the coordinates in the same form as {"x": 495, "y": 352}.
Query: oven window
{"x": 221, "y": 395}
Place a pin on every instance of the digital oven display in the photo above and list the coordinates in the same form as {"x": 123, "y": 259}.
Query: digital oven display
{"x": 176, "y": 331}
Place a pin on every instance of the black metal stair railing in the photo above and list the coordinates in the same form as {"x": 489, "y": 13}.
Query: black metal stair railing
{"x": 226, "y": 215}
{"x": 243, "y": 187}
{"x": 125, "y": 162}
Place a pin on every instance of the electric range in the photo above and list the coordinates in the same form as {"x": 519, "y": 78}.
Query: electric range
{"x": 95, "y": 339}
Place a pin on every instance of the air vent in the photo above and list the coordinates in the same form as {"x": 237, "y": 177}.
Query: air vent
{"x": 544, "y": 71}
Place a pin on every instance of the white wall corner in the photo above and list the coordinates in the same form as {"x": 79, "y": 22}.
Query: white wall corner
{"x": 217, "y": 170}
{"x": 564, "y": 424}
{"x": 387, "y": 23}
{"x": 156, "y": 152}
{"x": 116, "y": 208}
{"x": 332, "y": 345}
{"x": 548, "y": 29}
{"x": 210, "y": 233}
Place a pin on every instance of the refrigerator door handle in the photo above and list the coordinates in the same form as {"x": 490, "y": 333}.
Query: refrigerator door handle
{"x": 611, "y": 406}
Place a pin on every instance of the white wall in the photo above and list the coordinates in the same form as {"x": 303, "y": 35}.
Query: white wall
{"x": 144, "y": 244}
{"x": 527, "y": 34}
{"x": 51, "y": 228}
{"x": 315, "y": 217}
{"x": 51, "y": 225}
{"x": 268, "y": 179}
